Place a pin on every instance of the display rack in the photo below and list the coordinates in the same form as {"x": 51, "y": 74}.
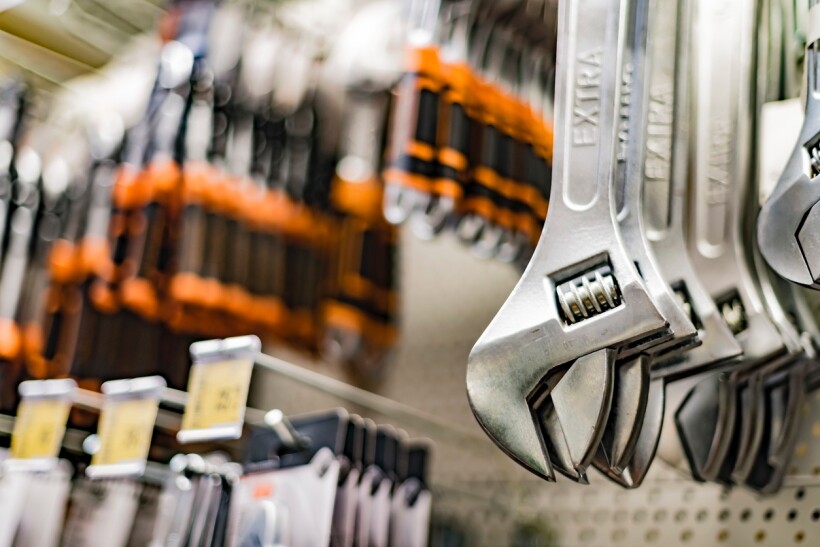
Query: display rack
{"x": 449, "y": 296}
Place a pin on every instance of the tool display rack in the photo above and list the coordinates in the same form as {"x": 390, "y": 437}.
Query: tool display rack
{"x": 448, "y": 297}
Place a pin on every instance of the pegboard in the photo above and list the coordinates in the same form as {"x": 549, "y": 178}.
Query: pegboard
{"x": 484, "y": 498}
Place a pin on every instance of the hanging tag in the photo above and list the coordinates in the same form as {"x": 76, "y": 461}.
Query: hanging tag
{"x": 218, "y": 389}
{"x": 126, "y": 426}
{"x": 40, "y": 423}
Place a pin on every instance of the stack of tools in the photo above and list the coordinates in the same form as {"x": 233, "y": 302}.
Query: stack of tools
{"x": 471, "y": 138}
{"x": 229, "y": 207}
{"x": 647, "y": 307}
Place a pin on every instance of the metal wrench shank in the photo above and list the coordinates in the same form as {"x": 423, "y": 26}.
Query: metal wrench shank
{"x": 665, "y": 185}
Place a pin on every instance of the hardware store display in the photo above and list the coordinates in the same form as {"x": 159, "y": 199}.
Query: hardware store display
{"x": 220, "y": 219}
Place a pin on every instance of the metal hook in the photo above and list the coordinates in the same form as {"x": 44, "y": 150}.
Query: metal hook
{"x": 290, "y": 437}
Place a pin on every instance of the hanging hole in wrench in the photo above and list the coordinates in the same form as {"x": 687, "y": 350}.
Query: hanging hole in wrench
{"x": 586, "y": 290}
{"x": 731, "y": 309}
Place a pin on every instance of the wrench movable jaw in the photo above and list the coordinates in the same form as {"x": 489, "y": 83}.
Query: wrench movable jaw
{"x": 546, "y": 404}
{"x": 750, "y": 406}
{"x": 637, "y": 467}
{"x": 627, "y": 417}
{"x": 697, "y": 420}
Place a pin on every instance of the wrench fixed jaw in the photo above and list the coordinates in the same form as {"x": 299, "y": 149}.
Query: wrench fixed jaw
{"x": 788, "y": 228}
{"x": 626, "y": 420}
{"x": 524, "y": 346}
{"x": 788, "y": 225}
{"x": 707, "y": 418}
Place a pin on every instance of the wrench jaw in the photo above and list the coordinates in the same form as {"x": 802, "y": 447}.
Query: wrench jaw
{"x": 634, "y": 473}
{"x": 789, "y": 222}
{"x": 787, "y": 428}
{"x": 745, "y": 436}
{"x": 698, "y": 422}
{"x": 550, "y": 428}
{"x": 784, "y": 396}
{"x": 626, "y": 418}
{"x": 511, "y": 366}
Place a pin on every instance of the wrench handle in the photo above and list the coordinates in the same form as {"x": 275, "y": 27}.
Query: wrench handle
{"x": 590, "y": 56}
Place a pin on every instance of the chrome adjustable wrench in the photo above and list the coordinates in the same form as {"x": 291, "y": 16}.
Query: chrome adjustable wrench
{"x": 719, "y": 186}
{"x": 788, "y": 227}
{"x": 665, "y": 185}
{"x": 632, "y": 380}
{"x": 577, "y": 305}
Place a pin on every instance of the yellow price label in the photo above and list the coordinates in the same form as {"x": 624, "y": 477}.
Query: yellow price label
{"x": 217, "y": 394}
{"x": 125, "y": 431}
{"x": 39, "y": 428}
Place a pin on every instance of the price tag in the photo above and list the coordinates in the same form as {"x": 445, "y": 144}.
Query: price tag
{"x": 126, "y": 426}
{"x": 40, "y": 423}
{"x": 218, "y": 389}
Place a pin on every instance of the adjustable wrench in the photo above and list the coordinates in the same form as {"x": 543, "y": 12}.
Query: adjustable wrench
{"x": 787, "y": 227}
{"x": 632, "y": 380}
{"x": 719, "y": 185}
{"x": 576, "y": 305}
{"x": 665, "y": 185}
